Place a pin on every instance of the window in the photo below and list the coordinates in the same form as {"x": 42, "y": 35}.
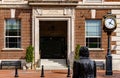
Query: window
{"x": 93, "y": 33}
{"x": 13, "y": 33}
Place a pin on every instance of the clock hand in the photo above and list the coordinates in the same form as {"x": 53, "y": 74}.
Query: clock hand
{"x": 111, "y": 20}
{"x": 110, "y": 23}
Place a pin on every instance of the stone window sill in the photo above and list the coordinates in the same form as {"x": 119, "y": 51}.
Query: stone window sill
{"x": 96, "y": 49}
{"x": 13, "y": 49}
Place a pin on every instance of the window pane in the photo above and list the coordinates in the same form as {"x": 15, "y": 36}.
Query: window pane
{"x": 93, "y": 27}
{"x": 13, "y": 32}
{"x": 13, "y": 42}
{"x": 12, "y": 27}
{"x": 93, "y": 42}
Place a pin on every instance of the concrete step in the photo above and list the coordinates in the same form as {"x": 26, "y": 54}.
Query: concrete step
{"x": 52, "y": 64}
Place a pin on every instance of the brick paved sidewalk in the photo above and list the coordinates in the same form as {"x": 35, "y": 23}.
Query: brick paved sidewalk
{"x": 50, "y": 74}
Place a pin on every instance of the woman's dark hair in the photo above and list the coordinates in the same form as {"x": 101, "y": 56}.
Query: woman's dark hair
{"x": 84, "y": 52}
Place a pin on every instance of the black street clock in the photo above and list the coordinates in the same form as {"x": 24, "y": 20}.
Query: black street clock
{"x": 109, "y": 25}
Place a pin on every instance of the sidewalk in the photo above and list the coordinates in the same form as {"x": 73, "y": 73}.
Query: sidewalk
{"x": 50, "y": 74}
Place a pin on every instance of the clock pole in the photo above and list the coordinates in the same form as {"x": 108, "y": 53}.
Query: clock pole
{"x": 109, "y": 27}
{"x": 109, "y": 57}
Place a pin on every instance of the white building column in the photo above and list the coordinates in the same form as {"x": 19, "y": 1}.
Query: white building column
{"x": 71, "y": 39}
{"x": 36, "y": 41}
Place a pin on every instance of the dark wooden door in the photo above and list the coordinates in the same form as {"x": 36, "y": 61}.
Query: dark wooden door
{"x": 52, "y": 47}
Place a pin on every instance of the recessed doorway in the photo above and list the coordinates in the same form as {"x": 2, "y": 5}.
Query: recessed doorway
{"x": 53, "y": 39}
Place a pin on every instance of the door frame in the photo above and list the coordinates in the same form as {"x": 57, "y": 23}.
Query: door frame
{"x": 70, "y": 35}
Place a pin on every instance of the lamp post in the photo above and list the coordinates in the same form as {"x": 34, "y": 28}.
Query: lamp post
{"x": 109, "y": 21}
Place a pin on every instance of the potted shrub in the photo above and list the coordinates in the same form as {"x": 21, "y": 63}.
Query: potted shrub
{"x": 29, "y": 56}
{"x": 76, "y": 56}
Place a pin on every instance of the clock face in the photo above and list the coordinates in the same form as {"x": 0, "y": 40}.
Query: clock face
{"x": 110, "y": 23}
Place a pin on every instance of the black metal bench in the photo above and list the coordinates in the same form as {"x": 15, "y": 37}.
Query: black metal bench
{"x": 100, "y": 64}
{"x": 8, "y": 64}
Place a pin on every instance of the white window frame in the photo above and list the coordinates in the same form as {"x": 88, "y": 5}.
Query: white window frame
{"x": 5, "y": 36}
{"x": 93, "y": 36}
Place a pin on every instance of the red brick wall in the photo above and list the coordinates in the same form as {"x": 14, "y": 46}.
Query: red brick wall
{"x": 79, "y": 25}
{"x": 81, "y": 15}
{"x": 25, "y": 16}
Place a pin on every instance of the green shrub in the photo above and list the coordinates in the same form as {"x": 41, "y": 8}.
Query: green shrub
{"x": 29, "y": 54}
{"x": 76, "y": 56}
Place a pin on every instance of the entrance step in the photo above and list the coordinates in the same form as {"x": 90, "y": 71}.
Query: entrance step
{"x": 52, "y": 64}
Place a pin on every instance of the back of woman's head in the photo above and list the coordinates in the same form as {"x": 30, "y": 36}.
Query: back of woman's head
{"x": 84, "y": 52}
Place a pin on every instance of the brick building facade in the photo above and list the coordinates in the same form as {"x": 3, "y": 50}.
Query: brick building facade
{"x": 37, "y": 21}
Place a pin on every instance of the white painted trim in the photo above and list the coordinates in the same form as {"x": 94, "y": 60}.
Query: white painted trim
{"x": 99, "y": 60}
{"x": 111, "y": 3}
{"x": 66, "y": 15}
{"x": 83, "y": 4}
{"x": 115, "y": 38}
{"x": 33, "y": 27}
{"x": 118, "y": 52}
{"x": 94, "y": 49}
{"x": 73, "y": 30}
{"x": 93, "y": 13}
{"x": 68, "y": 40}
{"x": 117, "y": 30}
{"x": 14, "y": 2}
{"x": 116, "y": 47}
{"x": 13, "y": 49}
{"x": 118, "y": 21}
{"x": 117, "y": 11}
{"x": 98, "y": 3}
{"x": 118, "y": 34}
{"x": 12, "y": 13}
{"x": 70, "y": 37}
{"x": 118, "y": 16}
{"x": 36, "y": 38}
